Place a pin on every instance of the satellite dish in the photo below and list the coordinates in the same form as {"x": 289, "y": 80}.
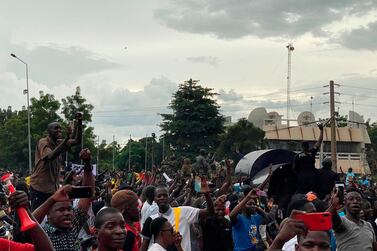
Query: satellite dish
{"x": 306, "y": 119}
{"x": 273, "y": 118}
{"x": 257, "y": 117}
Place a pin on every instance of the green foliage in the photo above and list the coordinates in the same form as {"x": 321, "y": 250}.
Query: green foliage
{"x": 243, "y": 136}
{"x": 43, "y": 110}
{"x": 13, "y": 130}
{"x": 195, "y": 122}
{"x": 154, "y": 154}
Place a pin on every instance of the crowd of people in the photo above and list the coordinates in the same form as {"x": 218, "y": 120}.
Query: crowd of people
{"x": 179, "y": 205}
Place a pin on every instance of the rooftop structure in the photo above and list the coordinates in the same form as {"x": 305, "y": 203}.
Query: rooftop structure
{"x": 351, "y": 139}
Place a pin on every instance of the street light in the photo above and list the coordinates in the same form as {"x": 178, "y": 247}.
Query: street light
{"x": 28, "y": 106}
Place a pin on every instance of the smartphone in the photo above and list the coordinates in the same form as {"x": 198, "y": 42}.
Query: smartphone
{"x": 316, "y": 221}
{"x": 340, "y": 188}
{"x": 80, "y": 192}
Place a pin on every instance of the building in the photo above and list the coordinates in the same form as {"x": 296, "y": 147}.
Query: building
{"x": 351, "y": 139}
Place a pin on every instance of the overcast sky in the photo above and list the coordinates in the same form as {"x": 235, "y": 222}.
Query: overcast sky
{"x": 128, "y": 57}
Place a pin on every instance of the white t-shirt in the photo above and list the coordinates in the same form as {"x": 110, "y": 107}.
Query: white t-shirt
{"x": 148, "y": 210}
{"x": 156, "y": 247}
{"x": 188, "y": 216}
{"x": 290, "y": 245}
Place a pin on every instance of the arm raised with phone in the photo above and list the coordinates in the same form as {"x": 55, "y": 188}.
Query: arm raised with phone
{"x": 63, "y": 194}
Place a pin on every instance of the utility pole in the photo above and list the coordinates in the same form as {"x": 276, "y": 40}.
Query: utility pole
{"x": 26, "y": 91}
{"x": 113, "y": 152}
{"x": 98, "y": 154}
{"x": 153, "y": 140}
{"x": 146, "y": 153}
{"x": 129, "y": 154}
{"x": 163, "y": 148}
{"x": 333, "y": 128}
{"x": 290, "y": 49}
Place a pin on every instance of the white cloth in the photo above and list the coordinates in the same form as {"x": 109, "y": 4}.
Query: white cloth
{"x": 188, "y": 216}
{"x": 148, "y": 210}
{"x": 156, "y": 247}
{"x": 290, "y": 245}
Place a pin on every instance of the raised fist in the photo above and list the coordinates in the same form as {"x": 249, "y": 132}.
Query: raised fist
{"x": 85, "y": 154}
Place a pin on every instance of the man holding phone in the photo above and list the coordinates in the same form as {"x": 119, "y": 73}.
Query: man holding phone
{"x": 351, "y": 232}
{"x": 63, "y": 221}
{"x": 306, "y": 239}
{"x": 44, "y": 180}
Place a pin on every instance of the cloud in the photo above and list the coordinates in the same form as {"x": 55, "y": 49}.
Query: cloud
{"x": 213, "y": 61}
{"x": 229, "y": 96}
{"x": 231, "y": 19}
{"x": 123, "y": 107}
{"x": 55, "y": 65}
{"x": 363, "y": 38}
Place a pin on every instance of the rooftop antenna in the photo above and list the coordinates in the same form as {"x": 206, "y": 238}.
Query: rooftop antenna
{"x": 290, "y": 48}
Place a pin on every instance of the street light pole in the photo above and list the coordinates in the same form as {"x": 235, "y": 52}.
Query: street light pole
{"x": 28, "y": 107}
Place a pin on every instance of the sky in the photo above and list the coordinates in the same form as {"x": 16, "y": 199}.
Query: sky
{"x": 129, "y": 57}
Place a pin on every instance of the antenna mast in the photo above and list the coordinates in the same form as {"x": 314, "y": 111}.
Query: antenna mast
{"x": 290, "y": 49}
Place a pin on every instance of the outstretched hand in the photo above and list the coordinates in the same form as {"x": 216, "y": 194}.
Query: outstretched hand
{"x": 334, "y": 201}
{"x": 204, "y": 186}
{"x": 62, "y": 194}
{"x": 320, "y": 126}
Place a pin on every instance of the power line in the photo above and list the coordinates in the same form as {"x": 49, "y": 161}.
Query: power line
{"x": 309, "y": 88}
{"x": 360, "y": 96}
{"x": 358, "y": 87}
{"x": 359, "y": 104}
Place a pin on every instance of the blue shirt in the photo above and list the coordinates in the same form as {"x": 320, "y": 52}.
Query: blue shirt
{"x": 349, "y": 175}
{"x": 246, "y": 232}
{"x": 364, "y": 182}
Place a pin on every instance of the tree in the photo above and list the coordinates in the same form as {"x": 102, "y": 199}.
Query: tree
{"x": 195, "y": 122}
{"x": 243, "y": 136}
{"x": 138, "y": 154}
{"x": 71, "y": 105}
{"x": 13, "y": 130}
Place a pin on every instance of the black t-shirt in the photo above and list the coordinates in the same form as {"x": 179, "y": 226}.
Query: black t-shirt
{"x": 305, "y": 161}
{"x": 146, "y": 233}
{"x": 217, "y": 234}
{"x": 327, "y": 180}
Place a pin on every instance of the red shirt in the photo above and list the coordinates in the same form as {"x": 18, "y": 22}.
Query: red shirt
{"x": 133, "y": 235}
{"x": 15, "y": 246}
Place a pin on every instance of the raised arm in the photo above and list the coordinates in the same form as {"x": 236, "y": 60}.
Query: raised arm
{"x": 210, "y": 210}
{"x": 77, "y": 131}
{"x": 320, "y": 138}
{"x": 60, "y": 148}
{"x": 40, "y": 239}
{"x": 88, "y": 179}
{"x": 234, "y": 213}
{"x": 333, "y": 209}
{"x": 60, "y": 195}
{"x": 228, "y": 179}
